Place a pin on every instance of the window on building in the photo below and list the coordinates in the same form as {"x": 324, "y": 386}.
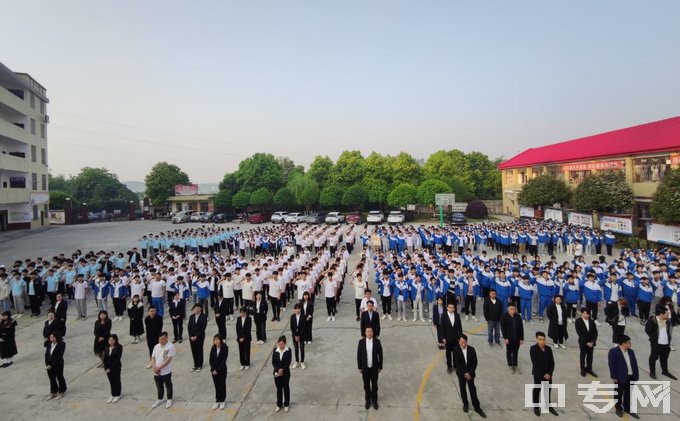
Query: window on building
{"x": 509, "y": 177}
{"x": 34, "y": 181}
{"x": 34, "y": 153}
{"x": 42, "y": 130}
{"x": 642, "y": 210}
{"x": 522, "y": 177}
{"x": 44, "y": 182}
{"x": 557, "y": 174}
{"x": 576, "y": 177}
{"x": 536, "y": 171}
{"x": 19, "y": 93}
{"x": 43, "y": 107}
{"x": 17, "y": 183}
{"x": 32, "y": 126}
{"x": 32, "y": 100}
{"x": 43, "y": 156}
{"x": 36, "y": 213}
{"x": 650, "y": 170}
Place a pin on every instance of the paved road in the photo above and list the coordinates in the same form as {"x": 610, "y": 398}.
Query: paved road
{"x": 413, "y": 385}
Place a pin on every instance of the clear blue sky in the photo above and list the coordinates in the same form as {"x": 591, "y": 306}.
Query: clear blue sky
{"x": 215, "y": 81}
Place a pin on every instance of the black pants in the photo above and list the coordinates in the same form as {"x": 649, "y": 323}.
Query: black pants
{"x": 386, "y": 304}
{"x": 623, "y": 395}
{"x": 163, "y": 381}
{"x": 330, "y": 306}
{"x": 511, "y": 351}
{"x": 238, "y": 297}
{"x": 473, "y": 391}
{"x": 370, "y": 377}
{"x": 244, "y": 353}
{"x": 308, "y": 330}
{"x": 357, "y": 304}
{"x": 299, "y": 350}
{"x": 114, "y": 381}
{"x": 609, "y": 253}
{"x": 282, "y": 390}
{"x": 561, "y": 333}
{"x": 643, "y": 309}
{"x": 230, "y": 306}
{"x": 34, "y": 301}
{"x": 57, "y": 381}
{"x": 220, "y": 382}
{"x": 151, "y": 343}
{"x": 585, "y": 357}
{"x": 276, "y": 309}
{"x": 261, "y": 329}
{"x": 592, "y": 308}
{"x": 537, "y": 390}
{"x": 450, "y": 346}
{"x": 119, "y": 307}
{"x": 659, "y": 352}
{"x": 178, "y": 328}
{"x": 222, "y": 326}
{"x": 617, "y": 332}
{"x": 470, "y": 304}
{"x": 197, "y": 351}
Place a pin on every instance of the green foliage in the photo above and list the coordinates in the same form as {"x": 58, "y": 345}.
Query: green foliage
{"x": 261, "y": 197}
{"x": 305, "y": 190}
{"x": 229, "y": 182}
{"x": 161, "y": 181}
{"x": 475, "y": 170}
{"x": 57, "y": 199}
{"x": 605, "y": 192}
{"x": 101, "y": 190}
{"x": 405, "y": 169}
{"x": 60, "y": 183}
{"x": 289, "y": 169}
{"x": 544, "y": 190}
{"x": 428, "y": 189}
{"x": 223, "y": 200}
{"x": 402, "y": 195}
{"x": 376, "y": 190}
{"x": 320, "y": 170}
{"x": 666, "y": 201}
{"x": 348, "y": 170}
{"x": 258, "y": 171}
{"x": 284, "y": 198}
{"x": 355, "y": 197}
{"x": 241, "y": 200}
{"x": 460, "y": 188}
{"x": 379, "y": 167}
{"x": 331, "y": 196}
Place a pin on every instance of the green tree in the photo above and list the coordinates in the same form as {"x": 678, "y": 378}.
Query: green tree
{"x": 544, "y": 190}
{"x": 305, "y": 190}
{"x": 101, "y": 190}
{"x": 57, "y": 199}
{"x": 161, "y": 181}
{"x": 60, "y": 183}
{"x": 284, "y": 198}
{"x": 666, "y": 201}
{"x": 484, "y": 175}
{"x": 428, "y": 189}
{"x": 241, "y": 200}
{"x": 405, "y": 169}
{"x": 402, "y": 195}
{"x": 260, "y": 170}
{"x": 331, "y": 196}
{"x": 354, "y": 197}
{"x": 460, "y": 188}
{"x": 289, "y": 169}
{"x": 320, "y": 169}
{"x": 229, "y": 182}
{"x": 447, "y": 166}
{"x": 379, "y": 167}
{"x": 261, "y": 197}
{"x": 604, "y": 192}
{"x": 349, "y": 169}
{"x": 377, "y": 191}
{"x": 223, "y": 200}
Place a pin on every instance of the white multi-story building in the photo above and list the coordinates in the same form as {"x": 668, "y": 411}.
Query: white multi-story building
{"x": 24, "y": 196}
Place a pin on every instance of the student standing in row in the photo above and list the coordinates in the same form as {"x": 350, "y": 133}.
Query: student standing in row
{"x": 196, "y": 329}
{"x": 260, "y": 315}
{"x": 623, "y": 369}
{"x": 587, "y": 339}
{"x": 8, "y": 345}
{"x": 154, "y": 327}
{"x": 218, "y": 369}
{"x": 112, "y": 366}
{"x": 136, "y": 316}
{"x": 466, "y": 366}
{"x": 543, "y": 366}
{"x": 298, "y": 325}
{"x": 177, "y": 309}
{"x": 102, "y": 331}
{"x": 54, "y": 363}
{"x": 244, "y": 337}
{"x": 281, "y": 358}
{"x": 308, "y": 312}
{"x": 161, "y": 361}
{"x": 370, "y": 363}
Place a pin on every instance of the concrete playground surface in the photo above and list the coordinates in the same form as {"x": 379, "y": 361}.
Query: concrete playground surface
{"x": 413, "y": 385}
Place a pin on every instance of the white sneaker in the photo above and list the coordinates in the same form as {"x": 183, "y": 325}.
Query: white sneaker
{"x": 597, "y": 323}
{"x": 467, "y": 317}
{"x": 475, "y": 318}
{"x": 328, "y": 319}
{"x": 242, "y": 368}
{"x": 524, "y": 321}
{"x": 294, "y": 366}
{"x": 283, "y": 309}
{"x": 168, "y": 404}
{"x": 384, "y": 317}
{"x": 285, "y": 409}
{"x": 278, "y": 408}
{"x": 148, "y": 366}
{"x": 157, "y": 404}
{"x": 110, "y": 400}
{"x": 221, "y": 407}
{"x": 389, "y": 317}
{"x": 247, "y": 368}
{"x": 556, "y": 346}
{"x": 304, "y": 367}
{"x": 563, "y": 346}
{"x": 214, "y": 407}
{"x": 115, "y": 399}
{"x": 415, "y": 319}
{"x": 333, "y": 318}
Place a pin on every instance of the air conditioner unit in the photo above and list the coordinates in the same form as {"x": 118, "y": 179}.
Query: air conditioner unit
{"x": 47, "y": 118}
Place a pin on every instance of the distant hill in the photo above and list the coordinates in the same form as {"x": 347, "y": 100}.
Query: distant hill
{"x": 203, "y": 188}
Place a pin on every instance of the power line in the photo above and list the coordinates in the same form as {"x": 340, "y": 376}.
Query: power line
{"x": 221, "y": 142}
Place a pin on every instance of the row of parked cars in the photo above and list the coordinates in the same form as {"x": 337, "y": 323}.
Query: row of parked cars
{"x": 204, "y": 217}
{"x": 373, "y": 217}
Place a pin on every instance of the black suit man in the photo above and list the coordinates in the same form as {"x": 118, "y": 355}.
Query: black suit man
{"x": 370, "y": 363}
{"x": 513, "y": 335}
{"x": 451, "y": 331}
{"x": 260, "y": 309}
{"x": 466, "y": 365}
{"x": 370, "y": 318}
{"x": 543, "y": 365}
{"x": 587, "y": 338}
{"x": 61, "y": 311}
{"x": 298, "y": 325}
{"x": 658, "y": 329}
{"x": 196, "y": 328}
{"x": 177, "y": 314}
{"x": 244, "y": 337}
{"x": 623, "y": 369}
{"x": 221, "y": 309}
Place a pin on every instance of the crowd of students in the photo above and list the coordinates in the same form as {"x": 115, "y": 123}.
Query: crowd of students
{"x": 417, "y": 272}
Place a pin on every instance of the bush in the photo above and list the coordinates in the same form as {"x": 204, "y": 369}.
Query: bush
{"x": 476, "y": 209}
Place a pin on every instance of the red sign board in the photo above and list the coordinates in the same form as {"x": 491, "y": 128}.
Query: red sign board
{"x": 186, "y": 190}
{"x": 598, "y": 165}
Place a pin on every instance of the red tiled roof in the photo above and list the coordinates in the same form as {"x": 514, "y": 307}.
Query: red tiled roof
{"x": 658, "y": 136}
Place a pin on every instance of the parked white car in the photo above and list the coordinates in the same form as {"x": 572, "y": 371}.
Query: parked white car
{"x": 183, "y": 216}
{"x": 335, "y": 218}
{"x": 294, "y": 218}
{"x": 196, "y": 216}
{"x": 279, "y": 217}
{"x": 375, "y": 217}
{"x": 396, "y": 217}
